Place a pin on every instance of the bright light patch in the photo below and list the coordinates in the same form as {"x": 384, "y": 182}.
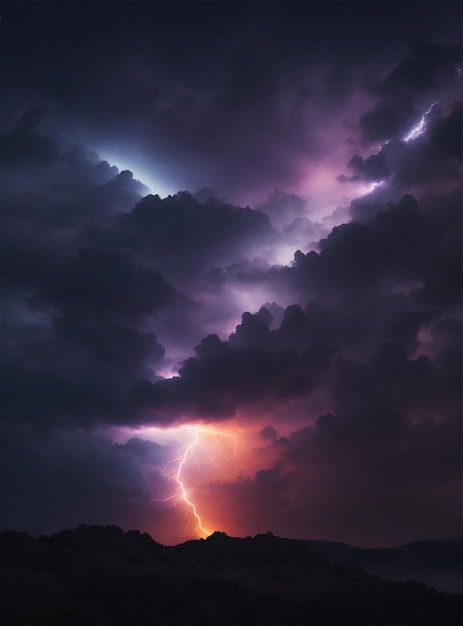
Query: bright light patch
{"x": 284, "y": 253}
{"x": 166, "y": 372}
{"x": 370, "y": 187}
{"x": 141, "y": 172}
{"x": 420, "y": 128}
{"x": 250, "y": 299}
{"x": 172, "y": 437}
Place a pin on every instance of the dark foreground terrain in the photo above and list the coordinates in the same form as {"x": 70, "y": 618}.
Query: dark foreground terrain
{"x": 101, "y": 575}
{"x": 438, "y": 564}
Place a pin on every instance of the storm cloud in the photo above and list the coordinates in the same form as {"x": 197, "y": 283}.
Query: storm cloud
{"x": 211, "y": 224}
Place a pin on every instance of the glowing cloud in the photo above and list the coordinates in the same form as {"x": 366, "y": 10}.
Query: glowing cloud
{"x": 140, "y": 172}
{"x": 370, "y": 187}
{"x": 420, "y": 128}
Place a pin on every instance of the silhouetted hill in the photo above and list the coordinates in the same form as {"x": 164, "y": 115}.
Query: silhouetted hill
{"x": 439, "y": 564}
{"x": 101, "y": 575}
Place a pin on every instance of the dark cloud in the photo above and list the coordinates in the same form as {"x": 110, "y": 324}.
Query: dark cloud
{"x": 282, "y": 208}
{"x": 429, "y": 68}
{"x": 375, "y": 479}
{"x": 427, "y": 65}
{"x": 404, "y": 244}
{"x": 67, "y": 479}
{"x": 35, "y": 161}
{"x": 106, "y": 282}
{"x": 70, "y": 346}
{"x": 374, "y": 168}
{"x": 74, "y": 372}
{"x": 204, "y": 232}
{"x": 366, "y": 464}
{"x": 219, "y": 379}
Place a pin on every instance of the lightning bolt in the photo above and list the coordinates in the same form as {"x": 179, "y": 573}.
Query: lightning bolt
{"x": 415, "y": 132}
{"x": 178, "y": 478}
{"x": 176, "y": 469}
{"x": 419, "y": 129}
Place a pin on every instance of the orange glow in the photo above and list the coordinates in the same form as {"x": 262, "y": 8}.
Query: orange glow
{"x": 208, "y": 454}
{"x": 203, "y": 460}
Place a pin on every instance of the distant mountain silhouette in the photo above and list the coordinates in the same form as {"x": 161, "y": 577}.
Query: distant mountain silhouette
{"x": 439, "y": 564}
{"x": 101, "y": 575}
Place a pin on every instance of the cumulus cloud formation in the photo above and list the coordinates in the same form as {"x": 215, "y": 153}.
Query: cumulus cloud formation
{"x": 299, "y": 294}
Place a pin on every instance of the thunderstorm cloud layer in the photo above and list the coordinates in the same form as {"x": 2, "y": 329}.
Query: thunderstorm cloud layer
{"x": 231, "y": 265}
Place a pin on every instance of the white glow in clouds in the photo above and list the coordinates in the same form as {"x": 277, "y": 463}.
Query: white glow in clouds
{"x": 176, "y": 436}
{"x": 140, "y": 172}
{"x": 420, "y": 128}
{"x": 369, "y": 187}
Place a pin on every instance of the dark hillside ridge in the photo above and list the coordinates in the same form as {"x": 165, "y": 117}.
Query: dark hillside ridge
{"x": 439, "y": 564}
{"x": 101, "y": 575}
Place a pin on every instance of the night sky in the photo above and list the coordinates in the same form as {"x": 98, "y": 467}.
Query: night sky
{"x": 231, "y": 268}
